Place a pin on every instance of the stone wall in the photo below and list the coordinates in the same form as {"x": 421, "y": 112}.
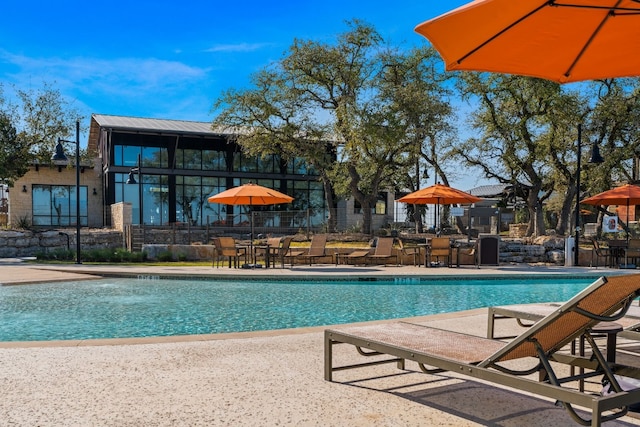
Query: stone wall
{"x": 14, "y": 243}
{"x": 121, "y": 215}
{"x": 190, "y": 244}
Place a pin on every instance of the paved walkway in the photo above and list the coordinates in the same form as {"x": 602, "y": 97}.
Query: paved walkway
{"x": 268, "y": 379}
{"x": 15, "y": 271}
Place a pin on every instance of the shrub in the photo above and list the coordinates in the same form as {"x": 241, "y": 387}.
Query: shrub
{"x": 165, "y": 256}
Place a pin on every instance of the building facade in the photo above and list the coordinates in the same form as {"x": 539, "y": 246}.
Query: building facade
{"x": 178, "y": 165}
{"x": 165, "y": 170}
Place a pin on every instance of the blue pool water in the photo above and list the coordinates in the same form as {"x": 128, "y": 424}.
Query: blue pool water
{"x": 119, "y": 308}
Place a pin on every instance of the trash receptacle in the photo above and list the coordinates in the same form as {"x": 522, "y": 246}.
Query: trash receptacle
{"x": 569, "y": 248}
{"x": 488, "y": 249}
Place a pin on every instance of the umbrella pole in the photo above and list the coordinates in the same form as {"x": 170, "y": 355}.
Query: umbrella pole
{"x": 253, "y": 254}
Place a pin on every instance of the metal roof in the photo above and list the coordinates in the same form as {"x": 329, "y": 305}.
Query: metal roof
{"x": 485, "y": 191}
{"x": 155, "y": 125}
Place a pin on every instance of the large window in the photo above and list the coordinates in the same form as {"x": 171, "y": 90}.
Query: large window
{"x": 127, "y": 155}
{"x": 155, "y": 197}
{"x": 56, "y": 205}
{"x": 192, "y": 205}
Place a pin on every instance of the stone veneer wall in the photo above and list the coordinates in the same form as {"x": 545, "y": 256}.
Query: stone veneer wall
{"x": 15, "y": 243}
{"x": 121, "y": 215}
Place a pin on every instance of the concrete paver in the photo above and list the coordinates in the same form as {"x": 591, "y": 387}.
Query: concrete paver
{"x": 247, "y": 379}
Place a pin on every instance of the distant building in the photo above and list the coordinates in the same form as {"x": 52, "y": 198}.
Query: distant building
{"x": 183, "y": 163}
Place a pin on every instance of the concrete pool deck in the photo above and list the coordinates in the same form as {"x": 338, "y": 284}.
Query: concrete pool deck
{"x": 248, "y": 379}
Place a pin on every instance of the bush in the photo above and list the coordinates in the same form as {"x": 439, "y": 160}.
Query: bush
{"x": 56, "y": 255}
{"x": 165, "y": 256}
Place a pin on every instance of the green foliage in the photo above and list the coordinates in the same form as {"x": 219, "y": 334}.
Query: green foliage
{"x": 109, "y": 255}
{"x": 56, "y": 255}
{"x": 31, "y": 126}
{"x": 165, "y": 256}
{"x": 374, "y": 109}
{"x": 22, "y": 223}
{"x": 14, "y": 152}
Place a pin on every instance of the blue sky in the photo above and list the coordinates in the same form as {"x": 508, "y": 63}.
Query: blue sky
{"x": 168, "y": 59}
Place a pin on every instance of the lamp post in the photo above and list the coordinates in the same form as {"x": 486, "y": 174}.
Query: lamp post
{"x": 58, "y": 157}
{"x": 131, "y": 180}
{"x": 595, "y": 158}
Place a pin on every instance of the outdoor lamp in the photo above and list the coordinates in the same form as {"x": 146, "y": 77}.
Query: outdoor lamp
{"x": 59, "y": 158}
{"x": 594, "y": 158}
{"x": 132, "y": 180}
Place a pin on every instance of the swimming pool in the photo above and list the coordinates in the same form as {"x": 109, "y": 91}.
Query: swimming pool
{"x": 122, "y": 308}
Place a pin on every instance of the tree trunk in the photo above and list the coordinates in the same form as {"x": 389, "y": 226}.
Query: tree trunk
{"x": 332, "y": 219}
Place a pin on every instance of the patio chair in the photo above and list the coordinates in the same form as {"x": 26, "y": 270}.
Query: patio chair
{"x": 226, "y": 247}
{"x": 598, "y": 253}
{"x": 383, "y": 251}
{"x": 437, "y": 350}
{"x": 632, "y": 253}
{"x": 317, "y": 248}
{"x": 284, "y": 251}
{"x": 268, "y": 250}
{"x": 409, "y": 251}
{"x": 439, "y": 247}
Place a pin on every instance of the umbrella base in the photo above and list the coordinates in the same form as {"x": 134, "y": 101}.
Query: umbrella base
{"x": 246, "y": 266}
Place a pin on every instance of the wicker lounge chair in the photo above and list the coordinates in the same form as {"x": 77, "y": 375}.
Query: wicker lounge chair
{"x": 436, "y": 350}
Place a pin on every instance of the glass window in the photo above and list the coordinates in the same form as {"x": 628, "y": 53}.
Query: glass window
{"x": 56, "y": 205}
{"x": 130, "y": 156}
{"x": 192, "y": 204}
{"x": 155, "y": 157}
{"x": 266, "y": 165}
{"x": 297, "y": 166}
{"x": 213, "y": 160}
{"x": 155, "y": 197}
{"x": 189, "y": 159}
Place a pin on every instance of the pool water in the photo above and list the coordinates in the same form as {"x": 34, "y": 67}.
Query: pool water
{"x": 120, "y": 308}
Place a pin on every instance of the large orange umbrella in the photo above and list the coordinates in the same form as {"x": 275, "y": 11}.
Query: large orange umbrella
{"x": 626, "y": 195}
{"x": 250, "y": 195}
{"x": 559, "y": 40}
{"x": 439, "y": 194}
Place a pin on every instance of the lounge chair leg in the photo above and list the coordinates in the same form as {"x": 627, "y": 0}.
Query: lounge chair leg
{"x": 328, "y": 357}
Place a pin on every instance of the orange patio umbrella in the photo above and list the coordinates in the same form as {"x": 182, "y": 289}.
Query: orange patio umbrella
{"x": 626, "y": 195}
{"x": 558, "y": 40}
{"x": 250, "y": 195}
{"x": 439, "y": 194}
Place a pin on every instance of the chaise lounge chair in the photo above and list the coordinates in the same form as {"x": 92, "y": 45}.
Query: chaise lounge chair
{"x": 317, "y": 248}
{"x": 527, "y": 314}
{"x": 437, "y": 350}
{"x": 384, "y": 251}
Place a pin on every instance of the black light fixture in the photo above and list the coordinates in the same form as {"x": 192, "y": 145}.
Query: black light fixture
{"x": 59, "y": 158}
{"x": 24, "y": 188}
{"x": 594, "y": 158}
{"x": 95, "y": 193}
{"x": 132, "y": 180}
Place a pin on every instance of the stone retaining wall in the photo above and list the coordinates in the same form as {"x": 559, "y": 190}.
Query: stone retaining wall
{"x": 21, "y": 243}
{"x": 24, "y": 243}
